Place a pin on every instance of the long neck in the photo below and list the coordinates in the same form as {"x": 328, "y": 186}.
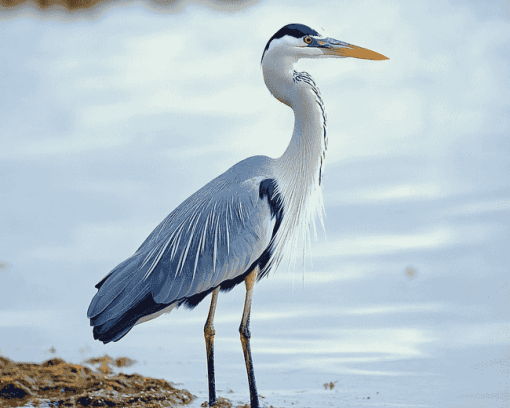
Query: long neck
{"x": 306, "y": 150}
{"x": 307, "y": 147}
{"x": 299, "y": 169}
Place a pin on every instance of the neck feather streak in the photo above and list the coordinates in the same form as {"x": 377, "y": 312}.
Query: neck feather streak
{"x": 299, "y": 170}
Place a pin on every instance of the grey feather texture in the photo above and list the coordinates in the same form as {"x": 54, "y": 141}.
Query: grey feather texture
{"x": 212, "y": 237}
{"x": 255, "y": 214}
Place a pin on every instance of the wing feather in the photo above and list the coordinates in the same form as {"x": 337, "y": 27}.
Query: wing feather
{"x": 218, "y": 243}
{"x": 211, "y": 239}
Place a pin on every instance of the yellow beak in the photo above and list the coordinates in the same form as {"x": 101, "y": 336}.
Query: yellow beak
{"x": 349, "y": 50}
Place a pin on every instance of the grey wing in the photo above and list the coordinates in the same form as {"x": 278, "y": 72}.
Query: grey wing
{"x": 211, "y": 238}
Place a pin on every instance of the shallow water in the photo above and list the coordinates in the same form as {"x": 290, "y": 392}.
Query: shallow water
{"x": 425, "y": 326}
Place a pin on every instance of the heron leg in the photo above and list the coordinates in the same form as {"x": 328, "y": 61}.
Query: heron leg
{"x": 209, "y": 344}
{"x": 244, "y": 330}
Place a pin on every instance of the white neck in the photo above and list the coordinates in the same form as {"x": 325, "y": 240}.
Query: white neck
{"x": 277, "y": 70}
{"x": 300, "y": 167}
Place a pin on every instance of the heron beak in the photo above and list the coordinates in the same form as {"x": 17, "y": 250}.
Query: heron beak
{"x": 342, "y": 49}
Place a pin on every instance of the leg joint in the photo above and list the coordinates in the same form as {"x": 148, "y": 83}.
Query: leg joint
{"x": 209, "y": 330}
{"x": 245, "y": 332}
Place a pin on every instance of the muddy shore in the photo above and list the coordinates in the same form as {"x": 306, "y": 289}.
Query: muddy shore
{"x": 58, "y": 383}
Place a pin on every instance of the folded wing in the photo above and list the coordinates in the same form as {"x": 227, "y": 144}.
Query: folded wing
{"x": 211, "y": 239}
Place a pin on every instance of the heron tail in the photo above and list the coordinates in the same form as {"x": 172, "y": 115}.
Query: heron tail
{"x": 122, "y": 300}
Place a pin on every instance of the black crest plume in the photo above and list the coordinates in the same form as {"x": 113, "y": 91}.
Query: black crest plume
{"x": 294, "y": 30}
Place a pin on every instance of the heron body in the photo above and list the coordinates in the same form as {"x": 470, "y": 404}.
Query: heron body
{"x": 238, "y": 226}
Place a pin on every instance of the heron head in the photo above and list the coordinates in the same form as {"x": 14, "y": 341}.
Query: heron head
{"x": 300, "y": 41}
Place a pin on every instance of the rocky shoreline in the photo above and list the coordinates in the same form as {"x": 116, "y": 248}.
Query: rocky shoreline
{"x": 58, "y": 383}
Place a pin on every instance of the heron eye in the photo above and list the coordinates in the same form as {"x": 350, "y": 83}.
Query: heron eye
{"x": 308, "y": 40}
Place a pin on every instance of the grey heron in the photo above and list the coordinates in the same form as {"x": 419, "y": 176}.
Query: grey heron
{"x": 238, "y": 226}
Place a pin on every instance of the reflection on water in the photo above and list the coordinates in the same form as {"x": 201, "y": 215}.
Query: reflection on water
{"x": 407, "y": 316}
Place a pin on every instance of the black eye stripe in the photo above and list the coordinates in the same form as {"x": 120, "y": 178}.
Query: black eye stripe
{"x": 293, "y": 30}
